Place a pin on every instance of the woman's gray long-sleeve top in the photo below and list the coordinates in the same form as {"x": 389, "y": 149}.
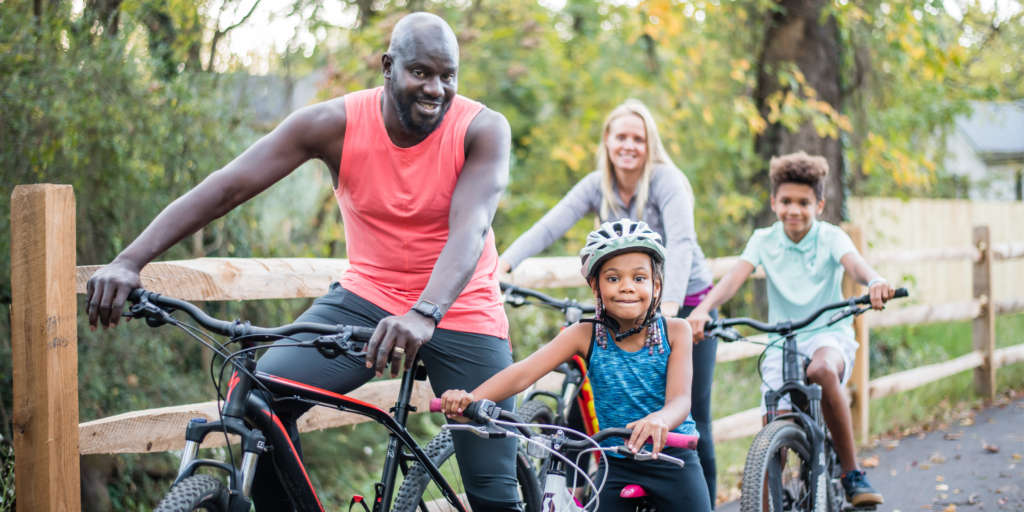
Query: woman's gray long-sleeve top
{"x": 669, "y": 212}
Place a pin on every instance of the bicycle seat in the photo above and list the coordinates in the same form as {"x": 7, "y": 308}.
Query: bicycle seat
{"x": 632, "y": 491}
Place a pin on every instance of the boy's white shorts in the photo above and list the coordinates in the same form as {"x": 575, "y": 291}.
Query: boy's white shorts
{"x": 771, "y": 367}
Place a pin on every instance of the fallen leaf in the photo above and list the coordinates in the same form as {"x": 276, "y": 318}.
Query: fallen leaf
{"x": 991, "y": 448}
{"x": 966, "y": 422}
{"x": 991, "y": 420}
{"x": 940, "y": 479}
{"x": 957, "y": 491}
{"x": 893, "y": 472}
{"x": 870, "y": 462}
{"x": 950, "y": 508}
{"x": 926, "y": 507}
{"x": 1002, "y": 501}
{"x": 972, "y": 499}
{"x": 1017, "y": 456}
{"x": 892, "y": 444}
{"x": 942, "y": 487}
{"x": 943, "y": 496}
{"x": 937, "y": 458}
{"x": 953, "y": 437}
{"x": 959, "y": 446}
{"x": 924, "y": 466}
{"x": 957, "y": 457}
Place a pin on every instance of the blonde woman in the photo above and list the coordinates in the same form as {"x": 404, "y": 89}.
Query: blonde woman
{"x": 636, "y": 179}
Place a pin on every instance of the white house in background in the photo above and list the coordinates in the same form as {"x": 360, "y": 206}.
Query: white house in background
{"x": 987, "y": 149}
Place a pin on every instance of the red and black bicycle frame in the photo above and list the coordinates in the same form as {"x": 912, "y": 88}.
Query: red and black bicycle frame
{"x": 248, "y": 412}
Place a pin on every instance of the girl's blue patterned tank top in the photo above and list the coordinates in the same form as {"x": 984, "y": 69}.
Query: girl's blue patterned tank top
{"x": 630, "y": 385}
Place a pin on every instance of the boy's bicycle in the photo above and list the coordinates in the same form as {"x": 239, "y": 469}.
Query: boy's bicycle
{"x": 490, "y": 421}
{"x": 792, "y": 464}
{"x": 248, "y": 412}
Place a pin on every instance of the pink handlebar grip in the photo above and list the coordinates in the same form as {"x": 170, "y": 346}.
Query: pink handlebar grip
{"x": 435, "y": 406}
{"x": 680, "y": 441}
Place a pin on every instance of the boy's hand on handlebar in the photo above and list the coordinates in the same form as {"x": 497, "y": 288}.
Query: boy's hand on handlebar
{"x": 107, "y": 291}
{"x": 454, "y": 401}
{"x": 650, "y": 427}
{"x": 697, "y": 320}
{"x": 397, "y": 335}
{"x": 880, "y": 293}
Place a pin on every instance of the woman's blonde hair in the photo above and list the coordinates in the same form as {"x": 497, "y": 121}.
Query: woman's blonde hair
{"x": 656, "y": 154}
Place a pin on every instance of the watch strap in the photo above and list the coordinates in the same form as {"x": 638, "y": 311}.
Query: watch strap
{"x": 429, "y": 310}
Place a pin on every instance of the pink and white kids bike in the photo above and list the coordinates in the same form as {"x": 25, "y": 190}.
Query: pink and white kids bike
{"x": 490, "y": 421}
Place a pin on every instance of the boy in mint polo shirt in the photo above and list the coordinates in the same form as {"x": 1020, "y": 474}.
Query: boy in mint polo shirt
{"x": 804, "y": 259}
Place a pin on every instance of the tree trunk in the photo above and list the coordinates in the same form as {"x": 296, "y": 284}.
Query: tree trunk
{"x": 798, "y": 35}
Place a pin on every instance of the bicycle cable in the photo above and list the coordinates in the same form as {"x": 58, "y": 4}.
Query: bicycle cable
{"x": 583, "y": 437}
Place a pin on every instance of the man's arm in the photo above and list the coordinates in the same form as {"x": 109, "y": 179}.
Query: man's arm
{"x": 861, "y": 272}
{"x": 474, "y": 201}
{"x": 723, "y": 291}
{"x": 313, "y": 132}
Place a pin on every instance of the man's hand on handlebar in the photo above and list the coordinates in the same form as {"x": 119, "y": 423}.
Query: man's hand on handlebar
{"x": 396, "y": 335}
{"x": 881, "y": 293}
{"x": 454, "y": 402}
{"x": 652, "y": 428}
{"x": 698, "y": 319}
{"x": 107, "y": 291}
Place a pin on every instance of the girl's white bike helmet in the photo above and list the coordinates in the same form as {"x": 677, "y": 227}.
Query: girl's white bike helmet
{"x": 614, "y": 238}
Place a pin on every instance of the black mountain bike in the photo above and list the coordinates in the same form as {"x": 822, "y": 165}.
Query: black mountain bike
{"x": 248, "y": 412}
{"x": 792, "y": 464}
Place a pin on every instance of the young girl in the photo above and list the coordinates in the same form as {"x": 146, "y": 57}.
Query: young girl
{"x": 639, "y": 364}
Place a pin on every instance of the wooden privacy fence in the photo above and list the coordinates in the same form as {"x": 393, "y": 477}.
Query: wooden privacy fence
{"x": 48, "y": 438}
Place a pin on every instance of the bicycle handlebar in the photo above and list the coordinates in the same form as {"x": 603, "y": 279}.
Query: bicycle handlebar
{"x": 474, "y": 410}
{"x": 548, "y": 300}
{"x": 235, "y": 329}
{"x": 791, "y": 325}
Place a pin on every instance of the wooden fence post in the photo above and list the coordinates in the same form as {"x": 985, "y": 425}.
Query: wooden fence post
{"x": 45, "y": 348}
{"x": 860, "y": 378}
{"x": 984, "y": 328}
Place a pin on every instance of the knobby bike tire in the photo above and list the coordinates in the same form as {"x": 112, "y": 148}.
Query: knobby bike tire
{"x": 439, "y": 450}
{"x": 772, "y": 438}
{"x": 198, "y": 492}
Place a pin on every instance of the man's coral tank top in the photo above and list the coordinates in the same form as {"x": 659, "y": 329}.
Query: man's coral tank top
{"x": 395, "y": 204}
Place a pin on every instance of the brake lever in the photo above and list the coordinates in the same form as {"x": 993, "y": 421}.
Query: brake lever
{"x": 645, "y": 455}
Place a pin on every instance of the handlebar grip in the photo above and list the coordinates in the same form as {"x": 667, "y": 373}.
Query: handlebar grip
{"x": 362, "y": 333}
{"x": 901, "y": 292}
{"x": 435, "y": 405}
{"x": 136, "y": 294}
{"x": 680, "y": 441}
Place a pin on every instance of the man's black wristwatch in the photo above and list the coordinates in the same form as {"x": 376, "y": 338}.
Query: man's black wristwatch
{"x": 429, "y": 310}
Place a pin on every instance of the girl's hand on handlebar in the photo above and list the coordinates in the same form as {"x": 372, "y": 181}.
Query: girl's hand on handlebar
{"x": 697, "y": 320}
{"x": 880, "y": 293}
{"x": 650, "y": 427}
{"x": 454, "y": 401}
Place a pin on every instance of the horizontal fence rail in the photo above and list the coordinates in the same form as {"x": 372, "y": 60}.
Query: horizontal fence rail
{"x": 262, "y": 278}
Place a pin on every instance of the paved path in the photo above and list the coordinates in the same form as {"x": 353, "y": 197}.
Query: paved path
{"x": 926, "y": 471}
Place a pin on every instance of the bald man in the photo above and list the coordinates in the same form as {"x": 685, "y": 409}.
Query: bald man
{"x": 418, "y": 171}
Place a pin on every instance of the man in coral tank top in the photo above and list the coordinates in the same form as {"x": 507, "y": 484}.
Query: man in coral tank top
{"x": 418, "y": 172}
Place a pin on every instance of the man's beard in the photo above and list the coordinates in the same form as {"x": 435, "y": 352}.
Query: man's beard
{"x": 405, "y": 113}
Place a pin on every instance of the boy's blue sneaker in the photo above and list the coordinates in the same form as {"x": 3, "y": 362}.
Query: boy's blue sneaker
{"x": 859, "y": 491}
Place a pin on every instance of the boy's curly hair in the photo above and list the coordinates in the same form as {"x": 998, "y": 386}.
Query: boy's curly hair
{"x": 799, "y": 168}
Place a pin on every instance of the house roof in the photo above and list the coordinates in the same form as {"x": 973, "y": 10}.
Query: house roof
{"x": 995, "y": 130}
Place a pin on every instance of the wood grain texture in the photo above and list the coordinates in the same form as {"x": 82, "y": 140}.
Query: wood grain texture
{"x": 966, "y": 253}
{"x": 926, "y": 314}
{"x": 858, "y": 383}
{"x": 736, "y": 426}
{"x": 236, "y": 278}
{"x": 44, "y": 347}
{"x": 983, "y": 327}
{"x": 911, "y": 379}
{"x": 163, "y": 429}
{"x": 1008, "y": 251}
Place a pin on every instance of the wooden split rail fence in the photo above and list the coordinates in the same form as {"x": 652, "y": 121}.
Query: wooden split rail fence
{"x": 48, "y": 438}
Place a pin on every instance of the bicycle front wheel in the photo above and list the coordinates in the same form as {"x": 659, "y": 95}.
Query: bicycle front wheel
{"x": 199, "y": 492}
{"x": 418, "y": 490}
{"x": 779, "y": 464}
